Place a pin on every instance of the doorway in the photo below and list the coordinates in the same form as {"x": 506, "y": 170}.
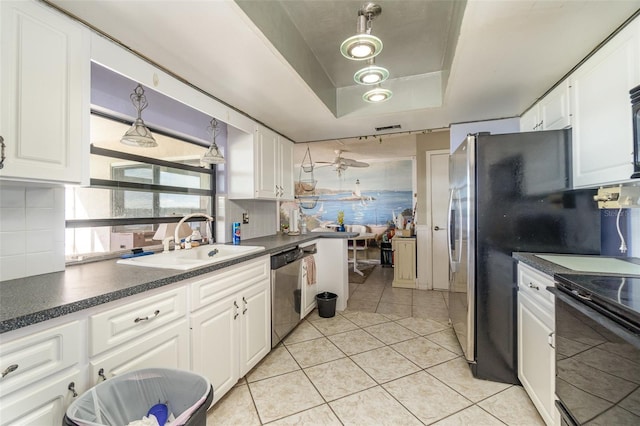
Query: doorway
{"x": 437, "y": 198}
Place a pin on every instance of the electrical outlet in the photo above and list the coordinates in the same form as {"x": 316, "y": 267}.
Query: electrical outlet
{"x": 245, "y": 218}
{"x": 618, "y": 197}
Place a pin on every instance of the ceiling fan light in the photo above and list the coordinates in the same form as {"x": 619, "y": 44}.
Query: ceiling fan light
{"x": 377, "y": 95}
{"x": 371, "y": 74}
{"x": 360, "y": 47}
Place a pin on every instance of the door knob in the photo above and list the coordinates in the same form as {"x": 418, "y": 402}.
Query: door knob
{"x": 437, "y": 228}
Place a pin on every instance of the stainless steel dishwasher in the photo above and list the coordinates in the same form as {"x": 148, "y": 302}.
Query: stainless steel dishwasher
{"x": 286, "y": 285}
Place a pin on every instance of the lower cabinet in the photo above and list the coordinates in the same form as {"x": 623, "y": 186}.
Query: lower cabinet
{"x": 230, "y": 335}
{"x": 228, "y": 312}
{"x": 404, "y": 273}
{"x": 167, "y": 347}
{"x": 536, "y": 352}
{"x": 42, "y": 403}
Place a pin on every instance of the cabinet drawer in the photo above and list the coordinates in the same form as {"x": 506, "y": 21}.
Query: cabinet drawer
{"x": 164, "y": 348}
{"x": 33, "y": 357}
{"x": 224, "y": 282}
{"x": 135, "y": 319}
{"x": 534, "y": 284}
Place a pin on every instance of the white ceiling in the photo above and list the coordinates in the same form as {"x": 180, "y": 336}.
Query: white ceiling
{"x": 507, "y": 55}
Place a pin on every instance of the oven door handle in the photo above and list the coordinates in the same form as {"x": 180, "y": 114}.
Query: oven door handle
{"x": 613, "y": 326}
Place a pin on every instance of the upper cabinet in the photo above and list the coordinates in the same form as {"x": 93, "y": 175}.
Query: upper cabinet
{"x": 550, "y": 113}
{"x": 594, "y": 101}
{"x": 260, "y": 166}
{"x": 45, "y": 86}
{"x": 602, "y": 125}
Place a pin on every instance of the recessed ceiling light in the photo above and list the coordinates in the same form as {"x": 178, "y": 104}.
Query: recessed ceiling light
{"x": 371, "y": 74}
{"x": 377, "y": 95}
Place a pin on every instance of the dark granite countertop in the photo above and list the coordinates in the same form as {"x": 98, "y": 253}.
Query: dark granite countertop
{"x": 30, "y": 300}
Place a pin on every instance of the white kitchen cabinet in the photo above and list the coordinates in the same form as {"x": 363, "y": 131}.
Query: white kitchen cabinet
{"x": 38, "y": 370}
{"x": 530, "y": 120}
{"x": 554, "y": 108}
{"x": 602, "y": 127}
{"x": 536, "y": 352}
{"x": 166, "y": 347}
{"x": 42, "y": 403}
{"x": 550, "y": 113}
{"x": 231, "y": 332}
{"x": 45, "y": 85}
{"x": 260, "y": 167}
{"x": 135, "y": 319}
{"x": 404, "y": 257}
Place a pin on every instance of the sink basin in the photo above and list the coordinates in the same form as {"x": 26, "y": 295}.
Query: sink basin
{"x": 193, "y": 258}
{"x": 603, "y": 265}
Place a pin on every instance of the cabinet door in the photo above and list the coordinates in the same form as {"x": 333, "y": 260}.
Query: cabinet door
{"x": 266, "y": 172}
{"x": 256, "y": 325}
{"x": 536, "y": 365}
{"x": 167, "y": 347}
{"x": 286, "y": 169}
{"x": 554, "y": 108}
{"x": 602, "y": 126}
{"x": 43, "y": 403}
{"x": 404, "y": 274}
{"x": 38, "y": 355}
{"x": 529, "y": 121}
{"x": 215, "y": 343}
{"x": 44, "y": 107}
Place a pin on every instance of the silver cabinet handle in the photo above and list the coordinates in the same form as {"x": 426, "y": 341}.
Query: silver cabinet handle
{"x": 147, "y": 318}
{"x": 2, "y": 156}
{"x": 72, "y": 388}
{"x": 533, "y": 286}
{"x": 235, "y": 315}
{"x": 550, "y": 339}
{"x": 11, "y": 368}
{"x": 101, "y": 374}
{"x": 244, "y": 311}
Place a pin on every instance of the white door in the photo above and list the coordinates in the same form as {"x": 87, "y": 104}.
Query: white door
{"x": 437, "y": 199}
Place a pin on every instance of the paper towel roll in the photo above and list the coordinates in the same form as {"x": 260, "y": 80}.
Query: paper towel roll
{"x": 294, "y": 218}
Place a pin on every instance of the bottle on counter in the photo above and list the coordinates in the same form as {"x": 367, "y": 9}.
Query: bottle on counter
{"x": 235, "y": 232}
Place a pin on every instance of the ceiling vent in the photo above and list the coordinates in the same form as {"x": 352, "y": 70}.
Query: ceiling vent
{"x": 381, "y": 129}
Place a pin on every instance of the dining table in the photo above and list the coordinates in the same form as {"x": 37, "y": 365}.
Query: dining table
{"x": 363, "y": 236}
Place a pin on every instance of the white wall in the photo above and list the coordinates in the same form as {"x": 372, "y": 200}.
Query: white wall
{"x": 31, "y": 231}
{"x": 262, "y": 218}
{"x": 459, "y": 132}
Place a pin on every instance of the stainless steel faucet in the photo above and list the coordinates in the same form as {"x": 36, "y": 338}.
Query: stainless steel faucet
{"x": 176, "y": 238}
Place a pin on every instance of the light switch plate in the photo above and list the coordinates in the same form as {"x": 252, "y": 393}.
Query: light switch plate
{"x": 245, "y": 218}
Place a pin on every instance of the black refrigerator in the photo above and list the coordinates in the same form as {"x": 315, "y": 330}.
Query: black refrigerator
{"x": 508, "y": 193}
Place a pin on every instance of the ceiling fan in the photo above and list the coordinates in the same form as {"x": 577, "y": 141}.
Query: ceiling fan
{"x": 341, "y": 163}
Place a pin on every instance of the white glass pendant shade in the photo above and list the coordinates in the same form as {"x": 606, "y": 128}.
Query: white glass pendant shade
{"x": 361, "y": 47}
{"x": 377, "y": 95}
{"x": 139, "y": 135}
{"x": 371, "y": 74}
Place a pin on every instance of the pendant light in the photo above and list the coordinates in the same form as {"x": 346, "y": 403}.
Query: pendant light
{"x": 139, "y": 135}
{"x": 377, "y": 95}
{"x": 363, "y": 45}
{"x": 371, "y": 74}
{"x": 213, "y": 154}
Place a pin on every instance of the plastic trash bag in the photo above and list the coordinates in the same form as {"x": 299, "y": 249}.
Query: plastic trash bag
{"x": 123, "y": 399}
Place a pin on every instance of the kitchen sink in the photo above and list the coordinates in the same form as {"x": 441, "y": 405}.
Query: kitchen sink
{"x": 597, "y": 264}
{"x": 193, "y": 258}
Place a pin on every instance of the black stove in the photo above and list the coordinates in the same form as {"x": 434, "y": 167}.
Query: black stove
{"x": 597, "y": 339}
{"x": 618, "y": 295}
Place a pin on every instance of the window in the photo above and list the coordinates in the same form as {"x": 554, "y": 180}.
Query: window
{"x": 134, "y": 190}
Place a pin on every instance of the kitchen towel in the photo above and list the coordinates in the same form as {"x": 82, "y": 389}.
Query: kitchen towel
{"x": 310, "y": 265}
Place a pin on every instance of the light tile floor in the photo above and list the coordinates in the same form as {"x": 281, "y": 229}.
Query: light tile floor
{"x": 389, "y": 359}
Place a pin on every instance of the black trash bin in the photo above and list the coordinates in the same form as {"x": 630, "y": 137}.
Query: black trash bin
{"x": 326, "y": 304}
{"x": 126, "y": 398}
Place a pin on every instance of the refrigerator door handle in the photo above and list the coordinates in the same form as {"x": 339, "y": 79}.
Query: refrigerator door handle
{"x": 450, "y": 228}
